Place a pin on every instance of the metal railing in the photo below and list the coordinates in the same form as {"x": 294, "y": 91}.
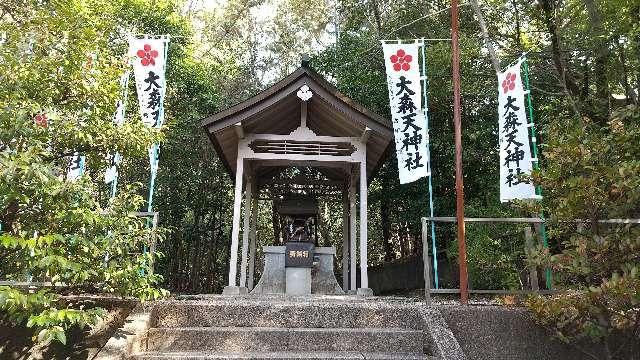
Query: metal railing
{"x": 529, "y": 245}
{"x": 153, "y": 216}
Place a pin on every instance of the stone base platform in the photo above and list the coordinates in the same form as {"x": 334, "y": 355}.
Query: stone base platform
{"x": 293, "y": 327}
{"x": 273, "y": 280}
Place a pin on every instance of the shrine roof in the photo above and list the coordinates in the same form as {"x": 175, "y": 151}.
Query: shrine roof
{"x": 277, "y": 110}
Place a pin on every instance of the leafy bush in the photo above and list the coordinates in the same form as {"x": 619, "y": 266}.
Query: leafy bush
{"x": 57, "y": 100}
{"x": 593, "y": 173}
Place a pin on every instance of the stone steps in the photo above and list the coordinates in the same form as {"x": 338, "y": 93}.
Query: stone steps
{"x": 289, "y": 315}
{"x": 285, "y": 328}
{"x": 270, "y": 339}
{"x": 279, "y": 355}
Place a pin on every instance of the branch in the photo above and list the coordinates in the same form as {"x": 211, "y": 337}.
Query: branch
{"x": 8, "y": 11}
{"x": 485, "y": 35}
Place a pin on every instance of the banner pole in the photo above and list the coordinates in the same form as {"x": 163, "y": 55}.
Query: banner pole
{"x": 534, "y": 142}
{"x": 124, "y": 92}
{"x": 152, "y": 182}
{"x": 431, "y": 210}
{"x": 156, "y": 147}
{"x": 457, "y": 124}
{"x": 114, "y": 184}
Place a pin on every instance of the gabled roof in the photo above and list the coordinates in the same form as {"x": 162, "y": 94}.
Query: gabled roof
{"x": 276, "y": 110}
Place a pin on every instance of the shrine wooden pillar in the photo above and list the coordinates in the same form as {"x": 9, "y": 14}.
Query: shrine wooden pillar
{"x": 345, "y": 240}
{"x": 245, "y": 230}
{"x": 352, "y": 236}
{"x": 237, "y": 197}
{"x": 252, "y": 234}
{"x": 364, "y": 278}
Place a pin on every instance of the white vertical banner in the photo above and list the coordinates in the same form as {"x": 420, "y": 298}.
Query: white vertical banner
{"x": 111, "y": 174}
{"x": 405, "y": 101}
{"x": 515, "y": 151}
{"x": 149, "y": 65}
{"x": 76, "y": 166}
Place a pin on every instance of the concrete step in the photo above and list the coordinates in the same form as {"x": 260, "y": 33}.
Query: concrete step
{"x": 243, "y": 313}
{"x": 279, "y": 355}
{"x": 274, "y": 339}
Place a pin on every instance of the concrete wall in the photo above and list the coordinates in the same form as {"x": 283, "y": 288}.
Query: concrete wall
{"x": 494, "y": 332}
{"x": 406, "y": 274}
{"x": 399, "y": 275}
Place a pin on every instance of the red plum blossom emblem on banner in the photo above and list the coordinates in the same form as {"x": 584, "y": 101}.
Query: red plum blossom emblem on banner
{"x": 41, "y": 120}
{"x": 509, "y": 82}
{"x": 401, "y": 60}
{"x": 147, "y": 55}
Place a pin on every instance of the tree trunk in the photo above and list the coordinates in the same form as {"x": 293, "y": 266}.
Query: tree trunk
{"x": 584, "y": 95}
{"x": 9, "y": 216}
{"x": 485, "y": 35}
{"x": 376, "y": 15}
{"x": 516, "y": 12}
{"x": 211, "y": 255}
{"x": 195, "y": 255}
{"x": 275, "y": 222}
{"x": 417, "y": 241}
{"x": 177, "y": 259}
{"x": 227, "y": 260}
{"x": 565, "y": 78}
{"x": 636, "y": 19}
{"x": 403, "y": 240}
{"x": 630, "y": 95}
{"x": 322, "y": 224}
{"x": 601, "y": 50}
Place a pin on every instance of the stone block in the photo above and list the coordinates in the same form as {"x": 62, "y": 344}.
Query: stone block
{"x": 298, "y": 281}
{"x": 364, "y": 292}
{"x": 235, "y": 290}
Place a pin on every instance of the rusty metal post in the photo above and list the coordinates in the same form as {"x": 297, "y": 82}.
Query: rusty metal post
{"x": 462, "y": 251}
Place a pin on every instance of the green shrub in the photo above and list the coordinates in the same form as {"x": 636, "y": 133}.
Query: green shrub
{"x": 53, "y": 228}
{"x": 593, "y": 173}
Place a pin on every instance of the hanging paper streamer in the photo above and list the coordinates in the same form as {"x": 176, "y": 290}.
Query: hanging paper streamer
{"x": 409, "y": 122}
{"x": 515, "y": 153}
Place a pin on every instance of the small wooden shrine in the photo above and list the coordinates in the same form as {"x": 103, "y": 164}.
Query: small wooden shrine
{"x": 302, "y": 122}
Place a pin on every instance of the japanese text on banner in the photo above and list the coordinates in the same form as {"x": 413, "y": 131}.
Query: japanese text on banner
{"x": 149, "y": 72}
{"x": 149, "y": 66}
{"x": 515, "y": 152}
{"x": 409, "y": 122}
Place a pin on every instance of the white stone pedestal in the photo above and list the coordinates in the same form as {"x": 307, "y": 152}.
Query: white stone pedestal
{"x": 298, "y": 281}
{"x": 274, "y": 278}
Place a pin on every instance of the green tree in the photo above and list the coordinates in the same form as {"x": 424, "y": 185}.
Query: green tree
{"x": 60, "y": 83}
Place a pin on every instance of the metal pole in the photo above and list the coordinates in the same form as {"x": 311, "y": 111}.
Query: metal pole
{"x": 536, "y": 166}
{"x": 431, "y": 211}
{"x": 462, "y": 251}
{"x": 152, "y": 182}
